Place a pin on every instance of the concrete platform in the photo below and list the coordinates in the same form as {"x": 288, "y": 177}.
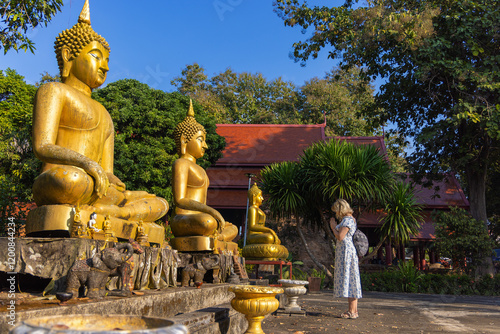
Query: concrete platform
{"x": 385, "y": 313}
{"x": 205, "y": 310}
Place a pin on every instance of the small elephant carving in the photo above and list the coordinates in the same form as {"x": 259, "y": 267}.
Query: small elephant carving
{"x": 196, "y": 271}
{"x": 95, "y": 271}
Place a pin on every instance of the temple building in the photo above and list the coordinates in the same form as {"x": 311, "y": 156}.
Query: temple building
{"x": 251, "y": 147}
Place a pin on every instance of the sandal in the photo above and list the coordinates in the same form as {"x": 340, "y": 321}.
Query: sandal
{"x": 349, "y": 315}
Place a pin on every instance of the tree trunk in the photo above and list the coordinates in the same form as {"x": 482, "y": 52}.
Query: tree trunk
{"x": 311, "y": 255}
{"x": 329, "y": 233}
{"x": 476, "y": 179}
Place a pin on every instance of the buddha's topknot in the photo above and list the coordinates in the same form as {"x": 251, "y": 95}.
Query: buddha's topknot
{"x": 188, "y": 127}
{"x": 78, "y": 37}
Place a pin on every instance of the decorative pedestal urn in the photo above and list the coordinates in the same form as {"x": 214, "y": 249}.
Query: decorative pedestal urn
{"x": 255, "y": 302}
{"x": 293, "y": 289}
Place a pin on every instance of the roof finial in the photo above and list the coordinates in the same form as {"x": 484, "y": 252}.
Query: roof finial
{"x": 191, "y": 110}
{"x": 85, "y": 14}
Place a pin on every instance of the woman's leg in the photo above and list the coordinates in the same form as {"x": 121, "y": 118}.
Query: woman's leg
{"x": 353, "y": 305}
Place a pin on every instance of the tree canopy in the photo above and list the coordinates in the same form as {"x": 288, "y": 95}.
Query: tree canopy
{"x": 18, "y": 165}
{"x": 18, "y": 17}
{"x": 440, "y": 62}
{"x": 248, "y": 98}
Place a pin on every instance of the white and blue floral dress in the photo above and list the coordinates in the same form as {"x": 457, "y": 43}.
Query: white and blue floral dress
{"x": 347, "y": 282}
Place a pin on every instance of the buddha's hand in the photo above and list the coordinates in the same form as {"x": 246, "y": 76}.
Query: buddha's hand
{"x": 101, "y": 181}
{"x": 276, "y": 239}
{"x": 220, "y": 222}
{"x": 116, "y": 182}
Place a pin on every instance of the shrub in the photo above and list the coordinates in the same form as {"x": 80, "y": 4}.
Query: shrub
{"x": 456, "y": 284}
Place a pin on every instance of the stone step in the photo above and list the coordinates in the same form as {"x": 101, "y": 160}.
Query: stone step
{"x": 167, "y": 303}
{"x": 213, "y": 320}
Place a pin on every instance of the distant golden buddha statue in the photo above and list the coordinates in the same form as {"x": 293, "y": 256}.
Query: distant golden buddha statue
{"x": 262, "y": 242}
{"x": 195, "y": 224}
{"x": 73, "y": 135}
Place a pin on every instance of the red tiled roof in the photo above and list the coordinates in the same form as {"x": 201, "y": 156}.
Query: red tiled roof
{"x": 231, "y": 177}
{"x": 263, "y": 144}
{"x": 377, "y": 141}
{"x": 449, "y": 193}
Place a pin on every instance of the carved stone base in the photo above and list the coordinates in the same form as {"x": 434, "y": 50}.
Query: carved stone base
{"x": 57, "y": 220}
{"x": 201, "y": 243}
{"x": 265, "y": 252}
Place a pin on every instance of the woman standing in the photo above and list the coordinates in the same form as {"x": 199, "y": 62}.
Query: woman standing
{"x": 347, "y": 282}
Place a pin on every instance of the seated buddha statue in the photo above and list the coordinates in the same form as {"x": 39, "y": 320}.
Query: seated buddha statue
{"x": 73, "y": 135}
{"x": 262, "y": 242}
{"x": 193, "y": 217}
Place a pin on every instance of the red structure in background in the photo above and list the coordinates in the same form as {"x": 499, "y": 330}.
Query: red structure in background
{"x": 251, "y": 147}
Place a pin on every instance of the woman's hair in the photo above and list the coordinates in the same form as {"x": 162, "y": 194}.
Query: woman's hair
{"x": 341, "y": 208}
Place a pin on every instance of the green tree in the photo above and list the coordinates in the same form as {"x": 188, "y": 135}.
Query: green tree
{"x": 144, "y": 120}
{"x": 18, "y": 165}
{"x": 18, "y": 17}
{"x": 340, "y": 97}
{"x": 462, "y": 238}
{"x": 440, "y": 62}
{"x": 243, "y": 98}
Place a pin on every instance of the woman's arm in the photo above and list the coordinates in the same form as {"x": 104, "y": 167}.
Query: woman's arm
{"x": 341, "y": 232}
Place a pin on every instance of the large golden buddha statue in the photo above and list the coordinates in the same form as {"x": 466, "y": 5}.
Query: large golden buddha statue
{"x": 73, "y": 135}
{"x": 262, "y": 242}
{"x": 196, "y": 226}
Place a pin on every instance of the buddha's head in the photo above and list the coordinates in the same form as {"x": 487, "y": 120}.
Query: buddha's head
{"x": 80, "y": 41}
{"x": 189, "y": 135}
{"x": 255, "y": 195}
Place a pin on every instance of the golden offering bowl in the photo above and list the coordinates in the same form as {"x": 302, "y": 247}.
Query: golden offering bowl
{"x": 255, "y": 302}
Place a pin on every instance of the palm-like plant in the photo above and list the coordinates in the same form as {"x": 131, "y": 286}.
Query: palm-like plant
{"x": 284, "y": 183}
{"x": 335, "y": 169}
{"x": 402, "y": 216}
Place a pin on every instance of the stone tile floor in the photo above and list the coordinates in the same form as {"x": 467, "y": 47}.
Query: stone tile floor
{"x": 391, "y": 313}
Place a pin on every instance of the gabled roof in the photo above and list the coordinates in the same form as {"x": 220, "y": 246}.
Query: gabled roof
{"x": 441, "y": 194}
{"x": 377, "y": 141}
{"x": 263, "y": 144}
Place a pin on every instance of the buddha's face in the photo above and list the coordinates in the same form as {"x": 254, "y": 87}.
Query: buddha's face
{"x": 197, "y": 145}
{"x": 258, "y": 199}
{"x": 91, "y": 65}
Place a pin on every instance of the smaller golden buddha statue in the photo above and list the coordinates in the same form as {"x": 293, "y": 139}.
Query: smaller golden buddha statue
{"x": 262, "y": 242}
{"x": 141, "y": 236}
{"x": 196, "y": 226}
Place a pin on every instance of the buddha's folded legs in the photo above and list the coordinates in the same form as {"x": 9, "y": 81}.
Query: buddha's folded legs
{"x": 260, "y": 238}
{"x": 193, "y": 225}
{"x": 230, "y": 232}
{"x": 63, "y": 185}
{"x": 148, "y": 209}
{"x": 71, "y": 185}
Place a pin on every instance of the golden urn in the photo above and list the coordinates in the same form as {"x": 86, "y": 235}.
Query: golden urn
{"x": 255, "y": 302}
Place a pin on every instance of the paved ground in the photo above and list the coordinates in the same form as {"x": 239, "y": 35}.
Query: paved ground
{"x": 392, "y": 313}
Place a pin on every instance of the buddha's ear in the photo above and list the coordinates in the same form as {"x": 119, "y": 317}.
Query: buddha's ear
{"x": 183, "y": 144}
{"x": 66, "y": 56}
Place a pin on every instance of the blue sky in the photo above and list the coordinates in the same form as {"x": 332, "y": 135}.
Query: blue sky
{"x": 152, "y": 41}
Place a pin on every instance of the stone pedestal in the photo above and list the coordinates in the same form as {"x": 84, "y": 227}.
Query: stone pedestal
{"x": 293, "y": 289}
